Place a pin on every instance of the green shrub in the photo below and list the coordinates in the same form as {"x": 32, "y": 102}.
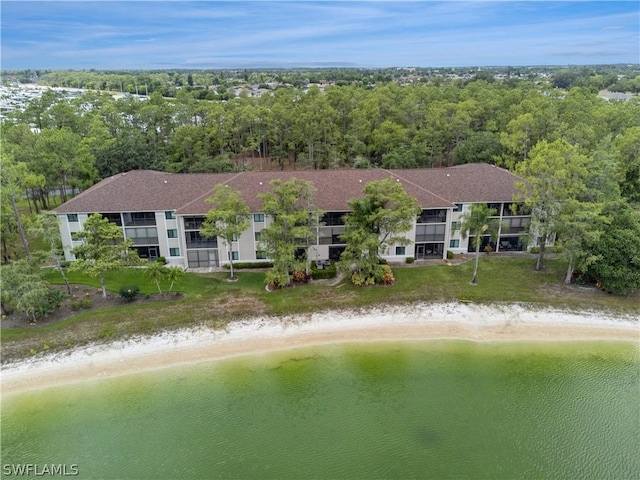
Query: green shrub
{"x": 276, "y": 280}
{"x": 450, "y": 255}
{"x": 357, "y": 279}
{"x": 129, "y": 292}
{"x": 410, "y": 260}
{"x": 383, "y": 275}
{"x": 549, "y": 249}
{"x": 52, "y": 302}
{"x": 75, "y": 306}
{"x": 243, "y": 265}
{"x": 323, "y": 273}
{"x": 85, "y": 303}
{"x": 161, "y": 260}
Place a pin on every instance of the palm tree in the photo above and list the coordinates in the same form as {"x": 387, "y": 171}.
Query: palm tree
{"x": 156, "y": 271}
{"x": 478, "y": 223}
{"x": 173, "y": 275}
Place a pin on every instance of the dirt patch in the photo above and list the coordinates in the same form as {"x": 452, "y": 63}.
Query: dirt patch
{"x": 573, "y": 291}
{"x": 237, "y": 305}
{"x": 82, "y": 299}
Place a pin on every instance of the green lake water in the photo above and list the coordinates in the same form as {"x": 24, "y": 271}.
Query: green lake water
{"x": 439, "y": 409}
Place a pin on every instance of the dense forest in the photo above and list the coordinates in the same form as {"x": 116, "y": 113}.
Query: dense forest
{"x": 62, "y": 145}
{"x": 390, "y": 125}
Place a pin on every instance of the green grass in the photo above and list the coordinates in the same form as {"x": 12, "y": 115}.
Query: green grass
{"x": 213, "y": 301}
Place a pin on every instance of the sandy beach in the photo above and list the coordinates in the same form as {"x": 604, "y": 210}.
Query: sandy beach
{"x": 471, "y": 322}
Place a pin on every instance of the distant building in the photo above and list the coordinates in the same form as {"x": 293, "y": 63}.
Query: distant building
{"x": 162, "y": 212}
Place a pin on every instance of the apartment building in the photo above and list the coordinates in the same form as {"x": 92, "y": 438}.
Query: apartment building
{"x": 162, "y": 212}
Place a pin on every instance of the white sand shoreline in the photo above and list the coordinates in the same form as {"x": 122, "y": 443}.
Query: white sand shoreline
{"x": 482, "y": 323}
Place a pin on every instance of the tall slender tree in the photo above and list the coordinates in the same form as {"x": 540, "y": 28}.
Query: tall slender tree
{"x": 15, "y": 177}
{"x": 478, "y": 222}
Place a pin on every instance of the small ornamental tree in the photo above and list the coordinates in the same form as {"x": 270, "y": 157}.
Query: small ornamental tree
{"x": 23, "y": 289}
{"x": 376, "y": 220}
{"x": 173, "y": 275}
{"x": 159, "y": 273}
{"x": 293, "y": 222}
{"x": 229, "y": 217}
{"x": 103, "y": 249}
{"x": 478, "y": 223}
{"x": 156, "y": 272}
{"x": 45, "y": 225}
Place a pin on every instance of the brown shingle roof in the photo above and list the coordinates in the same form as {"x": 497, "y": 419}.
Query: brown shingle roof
{"x": 334, "y": 188}
{"x": 147, "y": 190}
{"x": 473, "y": 182}
{"x": 143, "y": 190}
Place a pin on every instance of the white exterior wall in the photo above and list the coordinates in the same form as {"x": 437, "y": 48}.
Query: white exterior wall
{"x": 455, "y": 234}
{"x": 409, "y": 249}
{"x": 164, "y": 224}
{"x": 246, "y": 246}
{"x": 67, "y": 229}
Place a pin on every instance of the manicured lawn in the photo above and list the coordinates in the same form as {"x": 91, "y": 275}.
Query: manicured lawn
{"x": 213, "y": 301}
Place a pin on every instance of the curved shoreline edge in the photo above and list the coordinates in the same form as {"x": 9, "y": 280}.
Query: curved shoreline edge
{"x": 260, "y": 335}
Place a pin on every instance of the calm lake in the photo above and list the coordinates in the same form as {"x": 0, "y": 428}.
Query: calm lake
{"x": 439, "y": 409}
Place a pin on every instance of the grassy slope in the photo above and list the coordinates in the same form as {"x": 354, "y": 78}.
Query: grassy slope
{"x": 213, "y": 301}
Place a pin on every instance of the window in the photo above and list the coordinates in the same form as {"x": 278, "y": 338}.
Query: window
{"x": 143, "y": 236}
{"x": 169, "y": 215}
{"x": 455, "y": 226}
{"x": 497, "y": 207}
{"x": 195, "y": 240}
{"x": 433, "y": 216}
{"x": 515, "y": 209}
{"x": 202, "y": 258}
{"x": 172, "y": 233}
{"x": 135, "y": 219}
{"x": 261, "y": 255}
{"x": 174, "y": 252}
{"x": 72, "y": 217}
{"x": 193, "y": 223}
{"x": 516, "y": 225}
{"x": 401, "y": 250}
{"x": 331, "y": 236}
{"x": 333, "y": 218}
{"x": 234, "y": 256}
{"x": 113, "y": 218}
{"x": 430, "y": 233}
{"x": 454, "y": 243}
{"x": 458, "y": 207}
{"x": 234, "y": 237}
{"x": 258, "y": 217}
{"x": 257, "y": 236}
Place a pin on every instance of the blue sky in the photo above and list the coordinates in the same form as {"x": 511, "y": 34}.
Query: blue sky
{"x": 236, "y": 34}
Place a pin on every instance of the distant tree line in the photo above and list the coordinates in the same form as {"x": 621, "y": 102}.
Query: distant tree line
{"x": 215, "y": 84}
